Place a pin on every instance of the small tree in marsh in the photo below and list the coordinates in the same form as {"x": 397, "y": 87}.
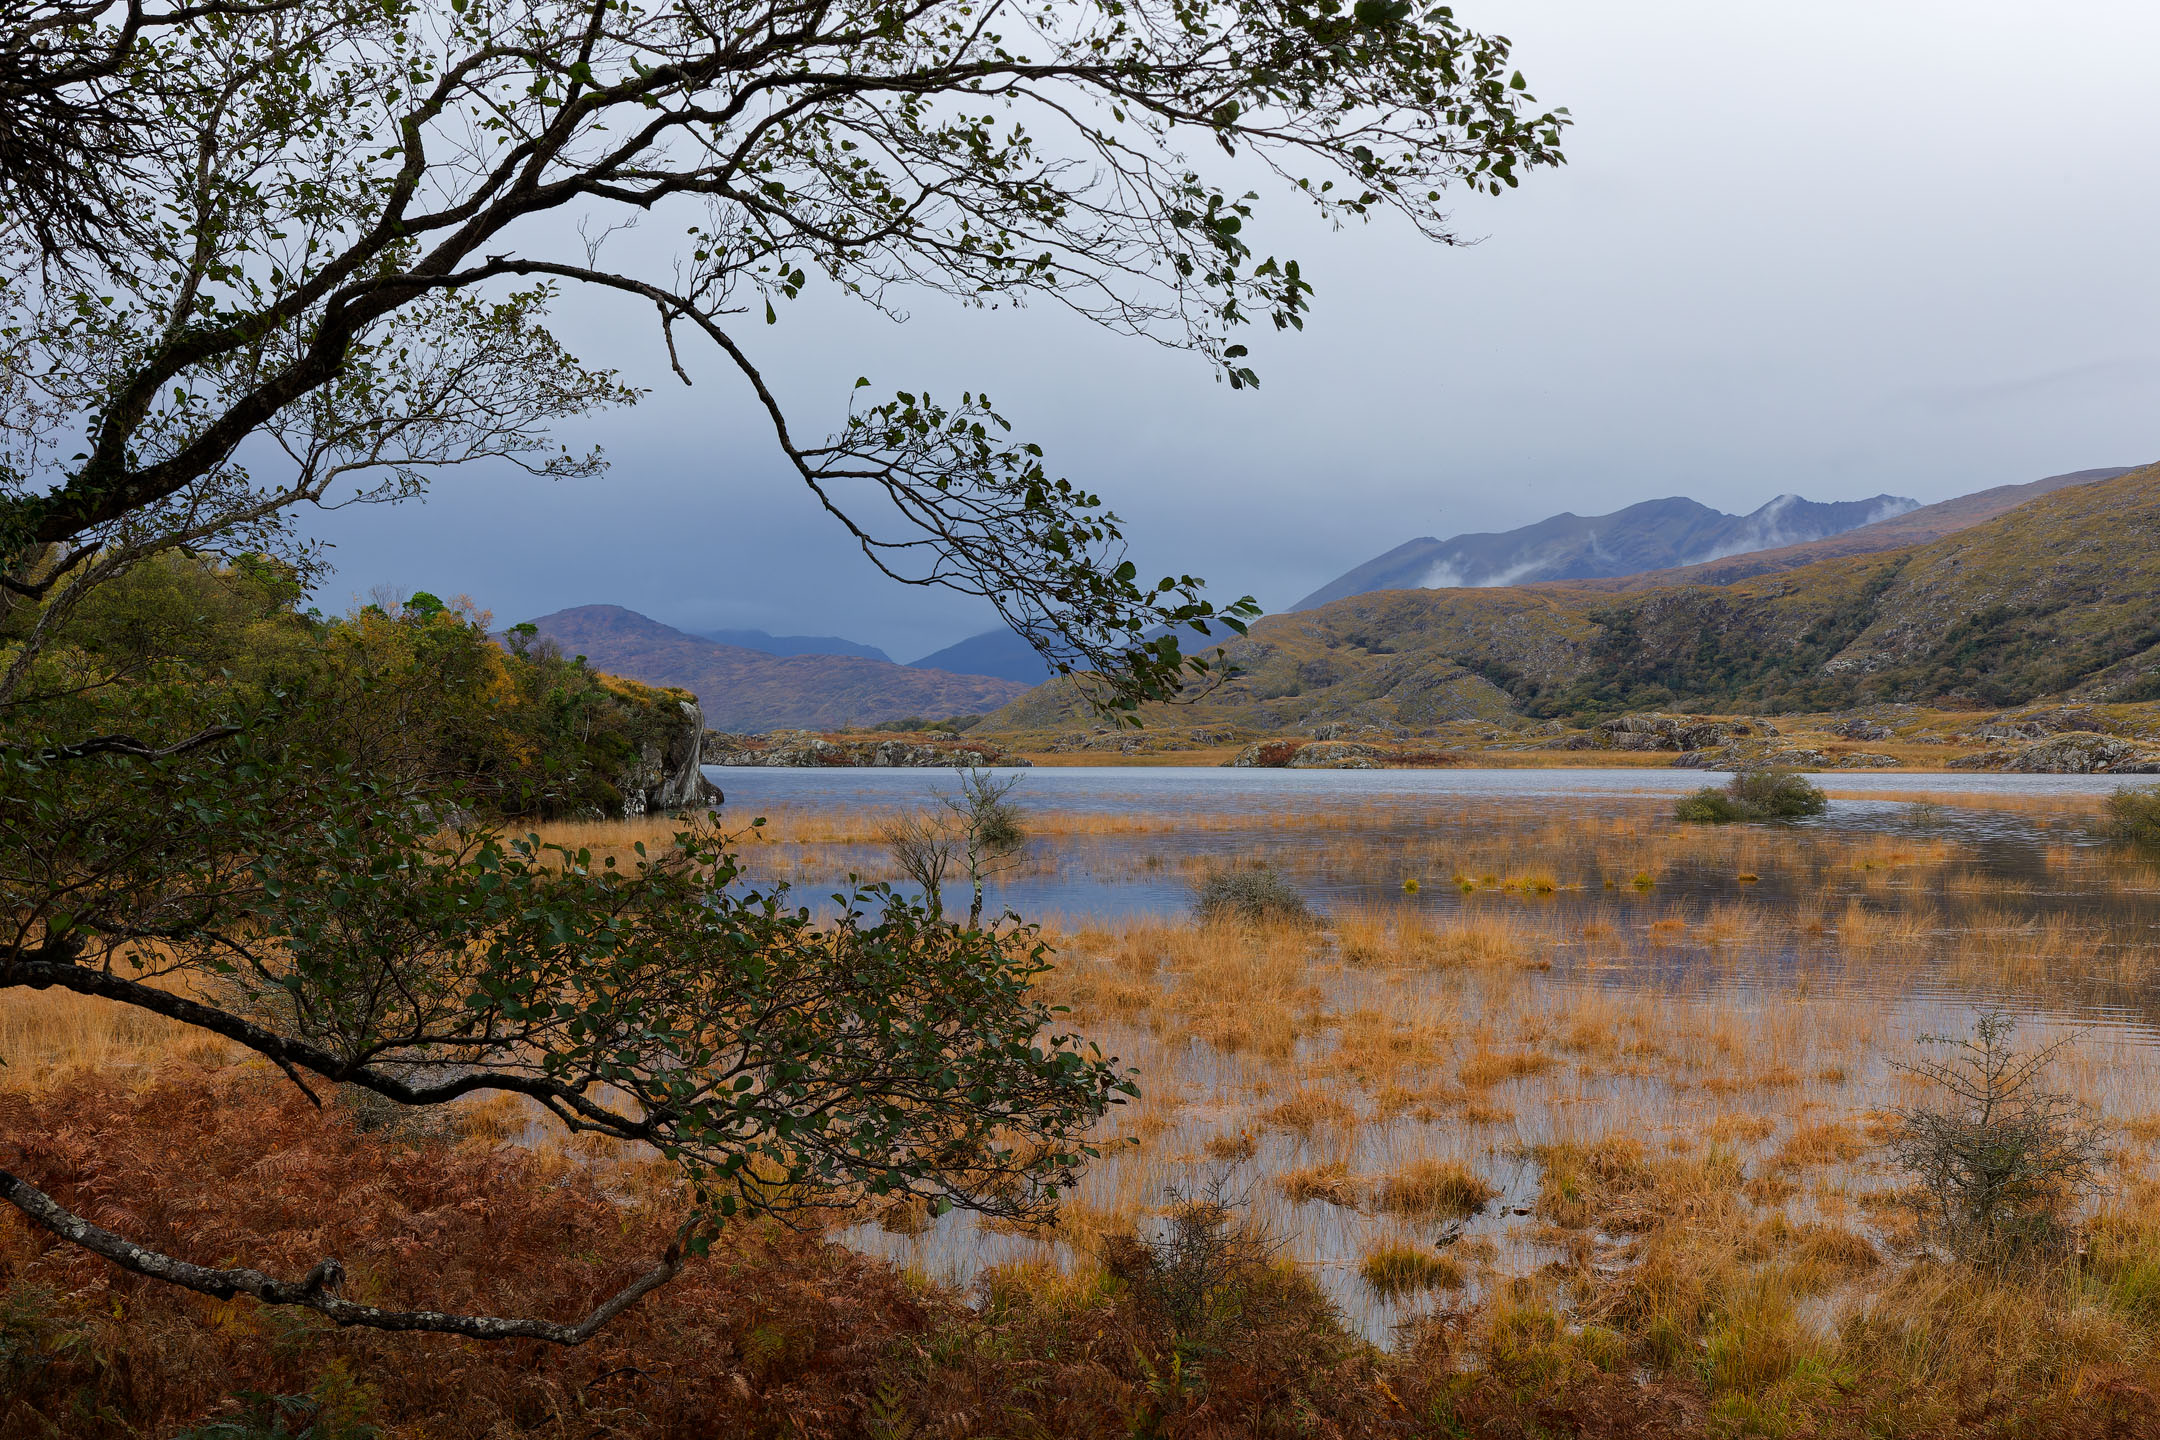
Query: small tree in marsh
{"x": 1999, "y": 1159}
{"x": 922, "y": 846}
{"x": 979, "y": 829}
{"x": 989, "y": 829}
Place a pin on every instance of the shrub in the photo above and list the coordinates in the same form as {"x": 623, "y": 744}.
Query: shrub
{"x": 1778, "y": 794}
{"x": 1708, "y": 806}
{"x": 1997, "y": 1159}
{"x": 1753, "y": 795}
{"x": 1255, "y": 896}
{"x": 2133, "y": 815}
{"x": 1189, "y": 1277}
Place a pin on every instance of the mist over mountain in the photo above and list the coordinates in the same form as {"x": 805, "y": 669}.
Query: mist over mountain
{"x": 1653, "y": 535}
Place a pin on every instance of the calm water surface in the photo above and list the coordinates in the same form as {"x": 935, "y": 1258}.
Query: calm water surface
{"x": 1114, "y": 876}
{"x": 1170, "y": 789}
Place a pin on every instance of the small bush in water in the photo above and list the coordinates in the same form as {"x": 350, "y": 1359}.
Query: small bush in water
{"x": 1753, "y": 795}
{"x": 2133, "y": 814}
{"x": 1252, "y": 895}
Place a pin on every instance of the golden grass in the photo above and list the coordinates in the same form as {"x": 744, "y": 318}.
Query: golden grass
{"x": 1829, "y": 1142}
{"x": 1331, "y": 1182}
{"x": 1435, "y": 1190}
{"x": 1393, "y": 1269}
{"x": 1313, "y": 1109}
{"x": 1483, "y": 1069}
{"x": 1691, "y": 1077}
{"x": 46, "y": 1033}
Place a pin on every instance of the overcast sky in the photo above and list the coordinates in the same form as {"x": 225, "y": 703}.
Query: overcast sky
{"x": 1835, "y": 249}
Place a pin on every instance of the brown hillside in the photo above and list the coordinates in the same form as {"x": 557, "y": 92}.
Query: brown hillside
{"x": 750, "y": 691}
{"x": 2059, "y": 596}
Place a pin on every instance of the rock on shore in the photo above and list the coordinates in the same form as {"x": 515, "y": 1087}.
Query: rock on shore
{"x": 1659, "y": 731}
{"x": 808, "y": 748}
{"x": 2077, "y": 752}
{"x": 665, "y": 777}
{"x": 1308, "y": 755}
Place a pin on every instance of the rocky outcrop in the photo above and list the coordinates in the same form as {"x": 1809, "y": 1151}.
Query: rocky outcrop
{"x": 1773, "y": 755}
{"x": 1315, "y": 755}
{"x": 1336, "y": 755}
{"x": 2080, "y": 752}
{"x": 2039, "y": 724}
{"x": 665, "y": 777}
{"x": 1154, "y": 740}
{"x": 809, "y": 749}
{"x": 1659, "y": 731}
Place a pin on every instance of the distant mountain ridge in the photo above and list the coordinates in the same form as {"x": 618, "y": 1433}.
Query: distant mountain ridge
{"x": 751, "y": 691}
{"x": 1652, "y": 535}
{"x": 1914, "y": 527}
{"x": 771, "y": 644}
{"x": 994, "y": 652}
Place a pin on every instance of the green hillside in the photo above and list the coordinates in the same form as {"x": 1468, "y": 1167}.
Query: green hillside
{"x": 2059, "y": 597}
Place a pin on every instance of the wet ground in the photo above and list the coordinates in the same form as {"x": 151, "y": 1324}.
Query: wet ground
{"x": 1682, "y": 985}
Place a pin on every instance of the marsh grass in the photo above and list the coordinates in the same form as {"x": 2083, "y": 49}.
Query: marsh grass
{"x": 1396, "y": 1268}
{"x": 1684, "y": 1086}
{"x": 46, "y": 1034}
{"x": 1435, "y": 1190}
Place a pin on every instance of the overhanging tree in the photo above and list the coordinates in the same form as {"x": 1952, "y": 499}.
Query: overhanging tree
{"x": 305, "y": 253}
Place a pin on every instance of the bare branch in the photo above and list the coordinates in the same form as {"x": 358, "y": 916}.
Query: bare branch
{"x": 314, "y": 1291}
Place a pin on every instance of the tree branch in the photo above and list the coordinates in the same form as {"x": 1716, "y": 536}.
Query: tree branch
{"x": 313, "y": 1291}
{"x": 39, "y": 974}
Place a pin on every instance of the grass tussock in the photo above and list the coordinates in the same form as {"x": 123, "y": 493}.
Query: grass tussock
{"x": 1483, "y": 1069}
{"x": 1393, "y": 1269}
{"x": 1331, "y": 1182}
{"x": 1314, "y": 1110}
{"x": 1254, "y": 895}
{"x": 1435, "y": 1190}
